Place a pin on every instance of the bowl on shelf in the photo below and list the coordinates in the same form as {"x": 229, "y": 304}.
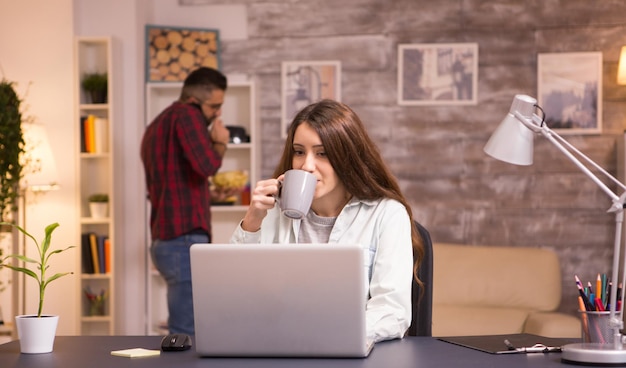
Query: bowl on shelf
{"x": 227, "y": 186}
{"x": 230, "y": 201}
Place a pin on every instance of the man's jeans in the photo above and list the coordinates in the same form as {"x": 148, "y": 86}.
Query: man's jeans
{"x": 171, "y": 259}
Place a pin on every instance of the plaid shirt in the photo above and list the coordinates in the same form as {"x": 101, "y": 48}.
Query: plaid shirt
{"x": 178, "y": 158}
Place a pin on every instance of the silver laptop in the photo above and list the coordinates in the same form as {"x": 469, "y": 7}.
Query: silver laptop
{"x": 279, "y": 300}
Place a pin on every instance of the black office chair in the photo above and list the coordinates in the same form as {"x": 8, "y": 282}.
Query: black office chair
{"x": 422, "y": 305}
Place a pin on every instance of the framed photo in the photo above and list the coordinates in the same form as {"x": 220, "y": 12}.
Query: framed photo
{"x": 438, "y": 74}
{"x": 172, "y": 52}
{"x": 305, "y": 82}
{"x": 569, "y": 90}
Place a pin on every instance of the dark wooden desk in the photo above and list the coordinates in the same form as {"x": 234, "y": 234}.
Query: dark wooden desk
{"x": 411, "y": 352}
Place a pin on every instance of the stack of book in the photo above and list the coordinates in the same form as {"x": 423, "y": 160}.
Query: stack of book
{"x": 93, "y": 134}
{"x": 96, "y": 253}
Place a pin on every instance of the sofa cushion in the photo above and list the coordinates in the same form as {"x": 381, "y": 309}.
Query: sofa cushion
{"x": 552, "y": 324}
{"x": 453, "y": 320}
{"x": 521, "y": 278}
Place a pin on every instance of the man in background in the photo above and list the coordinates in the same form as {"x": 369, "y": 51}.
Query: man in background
{"x": 181, "y": 148}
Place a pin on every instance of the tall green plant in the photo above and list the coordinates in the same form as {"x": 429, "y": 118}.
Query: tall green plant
{"x": 41, "y": 263}
{"x": 11, "y": 148}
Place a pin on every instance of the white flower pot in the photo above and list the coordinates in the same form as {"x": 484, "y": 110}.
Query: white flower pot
{"x": 98, "y": 209}
{"x": 36, "y": 334}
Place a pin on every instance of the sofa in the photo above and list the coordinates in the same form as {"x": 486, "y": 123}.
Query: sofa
{"x": 493, "y": 290}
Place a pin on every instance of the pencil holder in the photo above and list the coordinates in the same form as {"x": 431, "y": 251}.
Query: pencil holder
{"x": 595, "y": 327}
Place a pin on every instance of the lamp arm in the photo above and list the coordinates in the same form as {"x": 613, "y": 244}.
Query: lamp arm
{"x": 563, "y": 146}
{"x": 588, "y": 160}
{"x": 550, "y": 136}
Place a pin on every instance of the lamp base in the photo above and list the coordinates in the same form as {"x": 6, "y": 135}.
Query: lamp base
{"x": 594, "y": 354}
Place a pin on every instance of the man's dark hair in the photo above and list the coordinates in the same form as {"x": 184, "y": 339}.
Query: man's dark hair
{"x": 204, "y": 80}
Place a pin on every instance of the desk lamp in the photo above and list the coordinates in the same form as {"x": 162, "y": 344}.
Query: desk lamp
{"x": 512, "y": 142}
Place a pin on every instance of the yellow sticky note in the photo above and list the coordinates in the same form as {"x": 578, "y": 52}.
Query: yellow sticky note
{"x": 136, "y": 353}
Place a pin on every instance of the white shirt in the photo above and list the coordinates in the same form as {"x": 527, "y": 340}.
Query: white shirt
{"x": 383, "y": 228}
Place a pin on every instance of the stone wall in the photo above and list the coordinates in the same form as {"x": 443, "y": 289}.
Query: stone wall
{"x": 460, "y": 194}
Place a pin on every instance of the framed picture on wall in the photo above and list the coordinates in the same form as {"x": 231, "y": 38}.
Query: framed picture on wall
{"x": 172, "y": 52}
{"x": 305, "y": 82}
{"x": 569, "y": 90}
{"x": 438, "y": 74}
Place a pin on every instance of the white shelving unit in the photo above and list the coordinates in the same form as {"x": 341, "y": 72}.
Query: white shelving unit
{"x": 239, "y": 109}
{"x": 95, "y": 176}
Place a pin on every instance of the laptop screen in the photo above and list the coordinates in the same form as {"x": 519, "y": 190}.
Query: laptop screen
{"x": 279, "y": 299}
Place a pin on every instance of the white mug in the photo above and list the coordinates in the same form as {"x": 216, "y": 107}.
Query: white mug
{"x": 296, "y": 193}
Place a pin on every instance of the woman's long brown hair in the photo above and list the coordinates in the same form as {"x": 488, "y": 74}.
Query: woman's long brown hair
{"x": 354, "y": 157}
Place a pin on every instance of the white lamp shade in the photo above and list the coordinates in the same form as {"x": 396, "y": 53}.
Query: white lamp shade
{"x": 621, "y": 67}
{"x": 512, "y": 141}
{"x": 40, "y": 173}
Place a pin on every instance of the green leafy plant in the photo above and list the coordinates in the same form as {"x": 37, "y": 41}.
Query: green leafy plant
{"x": 11, "y": 148}
{"x": 96, "y": 84}
{"x": 42, "y": 263}
{"x": 98, "y": 198}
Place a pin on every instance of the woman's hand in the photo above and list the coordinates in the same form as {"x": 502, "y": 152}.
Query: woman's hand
{"x": 262, "y": 199}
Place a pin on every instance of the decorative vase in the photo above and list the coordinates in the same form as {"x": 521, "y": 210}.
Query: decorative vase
{"x": 99, "y": 96}
{"x": 36, "y": 334}
{"x": 98, "y": 209}
{"x": 96, "y": 308}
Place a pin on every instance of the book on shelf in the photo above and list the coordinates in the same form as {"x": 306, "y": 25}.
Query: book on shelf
{"x": 100, "y": 244}
{"x": 87, "y": 131}
{"x": 107, "y": 255}
{"x": 93, "y": 243}
{"x": 96, "y": 253}
{"x": 86, "y": 254}
{"x": 83, "y": 139}
{"x": 94, "y": 134}
{"x": 100, "y": 135}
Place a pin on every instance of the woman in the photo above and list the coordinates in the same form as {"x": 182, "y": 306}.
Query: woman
{"x": 356, "y": 200}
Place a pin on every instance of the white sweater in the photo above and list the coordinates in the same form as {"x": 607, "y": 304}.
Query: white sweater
{"x": 383, "y": 228}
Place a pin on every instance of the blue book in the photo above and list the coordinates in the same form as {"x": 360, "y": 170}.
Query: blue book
{"x": 100, "y": 240}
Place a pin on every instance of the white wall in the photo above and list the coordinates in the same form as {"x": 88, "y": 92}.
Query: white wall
{"x": 230, "y": 20}
{"x": 36, "y": 43}
{"x": 36, "y": 52}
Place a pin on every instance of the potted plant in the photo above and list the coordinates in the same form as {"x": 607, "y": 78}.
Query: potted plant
{"x": 36, "y": 331}
{"x": 11, "y": 148}
{"x": 96, "y": 86}
{"x": 98, "y": 205}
